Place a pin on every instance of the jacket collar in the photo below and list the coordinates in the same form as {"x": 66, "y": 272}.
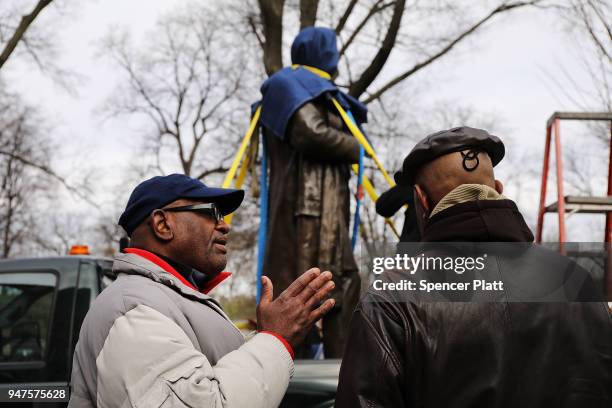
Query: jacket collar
{"x": 151, "y": 268}
{"x": 464, "y": 193}
{"x": 478, "y": 221}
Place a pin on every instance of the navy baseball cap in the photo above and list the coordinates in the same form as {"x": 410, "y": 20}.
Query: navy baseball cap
{"x": 160, "y": 191}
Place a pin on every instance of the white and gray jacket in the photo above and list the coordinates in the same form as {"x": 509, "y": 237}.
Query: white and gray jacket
{"x": 149, "y": 340}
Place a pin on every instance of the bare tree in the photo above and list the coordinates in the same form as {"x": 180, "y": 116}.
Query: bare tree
{"x": 13, "y": 199}
{"x": 20, "y": 183}
{"x": 189, "y": 83}
{"x": 590, "y": 19}
{"x": 594, "y": 18}
{"x": 20, "y": 125}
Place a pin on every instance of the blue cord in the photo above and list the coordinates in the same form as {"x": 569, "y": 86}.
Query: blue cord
{"x": 263, "y": 215}
{"x": 357, "y": 219}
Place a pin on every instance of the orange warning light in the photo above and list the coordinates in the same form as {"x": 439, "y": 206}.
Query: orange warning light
{"x": 79, "y": 250}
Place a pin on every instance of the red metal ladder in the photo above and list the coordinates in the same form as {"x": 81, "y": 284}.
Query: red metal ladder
{"x": 572, "y": 204}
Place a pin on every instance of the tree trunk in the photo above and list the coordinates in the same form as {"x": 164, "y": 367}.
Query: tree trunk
{"x": 308, "y": 13}
{"x": 272, "y": 19}
{"x": 6, "y": 236}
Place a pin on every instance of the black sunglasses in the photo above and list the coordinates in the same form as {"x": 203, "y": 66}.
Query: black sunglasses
{"x": 207, "y": 208}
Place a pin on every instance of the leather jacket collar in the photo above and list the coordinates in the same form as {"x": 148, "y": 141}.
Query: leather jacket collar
{"x": 478, "y": 221}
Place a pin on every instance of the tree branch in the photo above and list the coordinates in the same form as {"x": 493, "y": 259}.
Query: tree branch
{"x": 596, "y": 40}
{"x": 21, "y": 29}
{"x": 377, "y": 64}
{"x": 251, "y": 21}
{"x": 137, "y": 84}
{"x": 49, "y": 172}
{"x": 500, "y": 9}
{"x": 376, "y": 8}
{"x": 216, "y": 170}
{"x": 345, "y": 16}
{"x": 602, "y": 19}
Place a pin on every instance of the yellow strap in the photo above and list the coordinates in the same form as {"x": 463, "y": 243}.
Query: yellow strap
{"x": 245, "y": 142}
{"x": 243, "y": 172}
{"x": 368, "y": 148}
{"x": 362, "y": 140}
{"x": 391, "y": 225}
{"x": 314, "y": 70}
{"x": 239, "y": 181}
{"x": 229, "y": 177}
{"x": 369, "y": 188}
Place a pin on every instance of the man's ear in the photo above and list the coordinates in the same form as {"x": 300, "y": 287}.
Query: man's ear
{"x": 421, "y": 195}
{"x": 499, "y": 187}
{"x": 161, "y": 226}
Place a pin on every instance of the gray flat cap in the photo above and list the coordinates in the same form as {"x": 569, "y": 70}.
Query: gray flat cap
{"x": 445, "y": 142}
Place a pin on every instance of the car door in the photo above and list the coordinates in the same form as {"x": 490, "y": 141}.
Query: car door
{"x": 29, "y": 300}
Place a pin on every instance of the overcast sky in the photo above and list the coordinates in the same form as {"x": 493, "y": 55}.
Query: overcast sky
{"x": 510, "y": 69}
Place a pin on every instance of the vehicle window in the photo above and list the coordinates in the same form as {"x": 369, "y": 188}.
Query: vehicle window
{"x": 26, "y": 302}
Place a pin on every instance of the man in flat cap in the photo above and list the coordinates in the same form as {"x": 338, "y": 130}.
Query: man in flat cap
{"x": 413, "y": 351}
{"x": 155, "y": 338}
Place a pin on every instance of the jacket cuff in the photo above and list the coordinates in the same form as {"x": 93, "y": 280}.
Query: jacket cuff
{"x": 282, "y": 340}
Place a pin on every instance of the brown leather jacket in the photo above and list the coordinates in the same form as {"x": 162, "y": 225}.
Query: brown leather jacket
{"x": 432, "y": 354}
{"x": 309, "y": 208}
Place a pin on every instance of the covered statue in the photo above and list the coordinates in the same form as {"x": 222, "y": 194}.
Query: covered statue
{"x": 310, "y": 150}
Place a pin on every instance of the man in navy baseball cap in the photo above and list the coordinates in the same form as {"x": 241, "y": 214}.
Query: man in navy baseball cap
{"x": 155, "y": 337}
